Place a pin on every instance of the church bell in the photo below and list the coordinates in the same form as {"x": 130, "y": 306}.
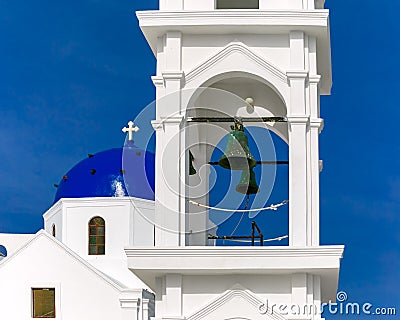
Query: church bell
{"x": 192, "y": 170}
{"x": 247, "y": 184}
{"x": 237, "y": 155}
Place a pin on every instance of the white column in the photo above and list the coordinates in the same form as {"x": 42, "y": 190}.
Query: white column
{"x": 309, "y": 4}
{"x": 173, "y": 288}
{"x": 171, "y": 4}
{"x": 298, "y": 118}
{"x": 316, "y": 126}
{"x": 170, "y": 140}
{"x": 317, "y": 294}
{"x": 160, "y": 297}
{"x": 197, "y": 219}
{"x": 145, "y": 309}
{"x": 298, "y": 125}
{"x": 168, "y": 213}
{"x": 297, "y": 53}
{"x": 297, "y": 180}
{"x": 299, "y": 289}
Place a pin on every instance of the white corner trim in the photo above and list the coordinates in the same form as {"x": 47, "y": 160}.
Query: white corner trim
{"x": 227, "y": 51}
{"x": 297, "y": 74}
{"x": 317, "y": 123}
{"x": 96, "y": 201}
{"x": 316, "y": 78}
{"x": 52, "y": 210}
{"x": 157, "y": 125}
{"x": 127, "y": 301}
{"x": 173, "y": 75}
{"x": 158, "y": 81}
{"x": 298, "y": 119}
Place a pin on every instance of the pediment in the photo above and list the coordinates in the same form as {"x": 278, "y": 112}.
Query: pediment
{"x": 235, "y": 304}
{"x": 241, "y": 52}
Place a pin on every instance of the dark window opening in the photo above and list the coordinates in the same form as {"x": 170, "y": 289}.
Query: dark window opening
{"x": 3, "y": 251}
{"x": 53, "y": 230}
{"x": 97, "y": 236}
{"x": 237, "y": 4}
{"x": 43, "y": 303}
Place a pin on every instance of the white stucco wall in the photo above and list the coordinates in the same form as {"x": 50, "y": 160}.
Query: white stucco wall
{"x": 128, "y": 222}
{"x": 13, "y": 242}
{"x": 198, "y": 291}
{"x": 81, "y": 293}
{"x": 198, "y": 48}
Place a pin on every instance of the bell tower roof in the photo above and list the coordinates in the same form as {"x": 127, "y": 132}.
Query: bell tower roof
{"x": 273, "y": 17}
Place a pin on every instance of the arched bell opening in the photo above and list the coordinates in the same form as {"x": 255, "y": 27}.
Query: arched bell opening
{"x": 225, "y": 96}
{"x": 272, "y": 183}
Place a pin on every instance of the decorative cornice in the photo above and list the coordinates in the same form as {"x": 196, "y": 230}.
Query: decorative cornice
{"x": 173, "y": 75}
{"x": 266, "y": 252}
{"x": 157, "y": 125}
{"x": 297, "y": 74}
{"x": 158, "y": 81}
{"x": 173, "y": 120}
{"x": 221, "y": 17}
{"x": 160, "y": 123}
{"x": 228, "y": 50}
{"x": 317, "y": 123}
{"x": 129, "y": 303}
{"x": 151, "y": 262}
{"x": 316, "y": 78}
{"x": 101, "y": 200}
{"x": 53, "y": 210}
{"x": 298, "y": 119}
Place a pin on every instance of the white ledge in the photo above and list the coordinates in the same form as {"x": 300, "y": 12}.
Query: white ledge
{"x": 151, "y": 262}
{"x": 234, "y": 251}
{"x": 257, "y": 17}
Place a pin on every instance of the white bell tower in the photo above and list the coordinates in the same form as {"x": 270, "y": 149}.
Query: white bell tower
{"x": 211, "y": 56}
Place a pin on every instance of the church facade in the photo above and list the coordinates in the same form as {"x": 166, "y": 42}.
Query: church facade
{"x": 130, "y": 236}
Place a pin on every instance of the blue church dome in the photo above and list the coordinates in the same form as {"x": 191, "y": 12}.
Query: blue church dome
{"x": 118, "y": 172}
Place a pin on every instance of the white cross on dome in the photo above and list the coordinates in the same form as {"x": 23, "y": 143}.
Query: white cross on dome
{"x": 130, "y": 130}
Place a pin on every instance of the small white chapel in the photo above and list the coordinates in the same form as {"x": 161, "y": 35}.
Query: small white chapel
{"x": 130, "y": 234}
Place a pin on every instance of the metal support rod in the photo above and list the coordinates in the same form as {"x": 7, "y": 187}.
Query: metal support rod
{"x": 253, "y": 223}
{"x": 254, "y": 227}
{"x": 252, "y": 233}
{"x": 231, "y": 237}
{"x": 232, "y": 119}
{"x": 214, "y": 163}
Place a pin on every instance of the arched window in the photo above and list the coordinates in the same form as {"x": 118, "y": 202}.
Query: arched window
{"x": 97, "y": 236}
{"x": 53, "y": 230}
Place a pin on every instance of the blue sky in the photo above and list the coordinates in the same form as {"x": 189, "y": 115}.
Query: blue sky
{"x": 73, "y": 72}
